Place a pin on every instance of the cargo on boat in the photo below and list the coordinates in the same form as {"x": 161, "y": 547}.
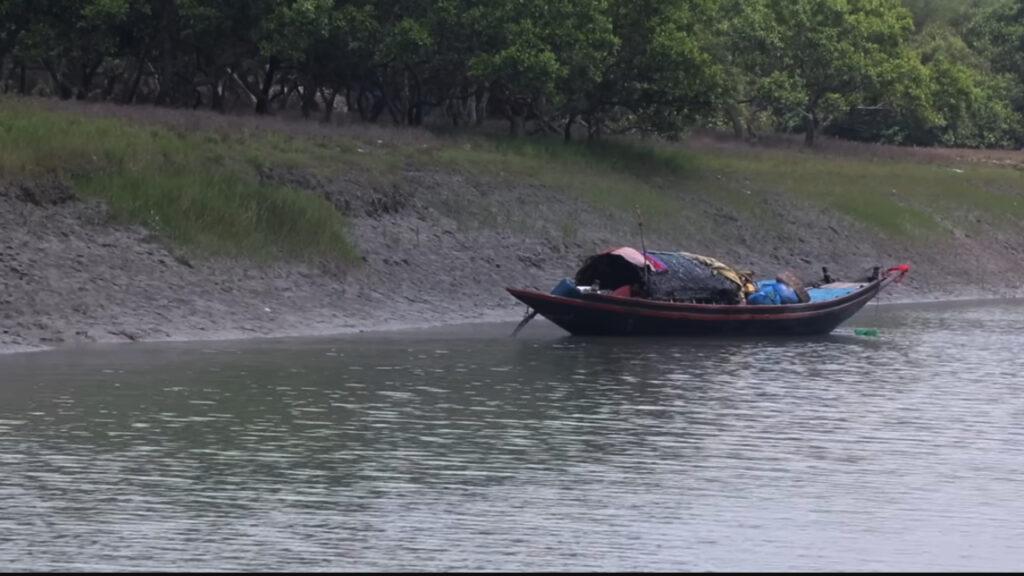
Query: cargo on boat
{"x": 629, "y": 292}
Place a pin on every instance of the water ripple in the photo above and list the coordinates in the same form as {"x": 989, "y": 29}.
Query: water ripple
{"x": 478, "y": 452}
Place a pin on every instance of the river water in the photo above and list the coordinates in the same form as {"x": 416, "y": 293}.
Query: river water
{"x": 464, "y": 449}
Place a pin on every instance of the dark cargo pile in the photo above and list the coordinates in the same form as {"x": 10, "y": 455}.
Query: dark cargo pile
{"x": 689, "y": 280}
{"x": 671, "y": 276}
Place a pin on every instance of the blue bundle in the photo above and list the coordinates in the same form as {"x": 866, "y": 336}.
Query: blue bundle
{"x": 773, "y": 292}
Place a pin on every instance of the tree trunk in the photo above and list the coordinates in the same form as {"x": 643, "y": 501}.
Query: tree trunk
{"x": 417, "y": 114}
{"x": 286, "y": 95}
{"x": 111, "y": 85}
{"x": 263, "y": 98}
{"x": 481, "y": 97}
{"x": 751, "y": 133}
{"x": 414, "y": 90}
{"x": 736, "y": 116}
{"x": 456, "y": 109}
{"x": 6, "y": 80}
{"x": 593, "y": 127}
{"x": 470, "y": 107}
{"x": 168, "y": 18}
{"x": 518, "y": 125}
{"x": 23, "y": 80}
{"x": 133, "y": 88}
{"x": 3, "y": 60}
{"x": 810, "y": 128}
{"x": 329, "y": 106}
{"x": 217, "y": 92}
{"x": 567, "y": 133}
{"x": 63, "y": 88}
{"x": 309, "y": 98}
{"x": 7, "y": 48}
{"x": 379, "y": 104}
{"x": 88, "y": 73}
{"x": 361, "y": 105}
{"x": 395, "y": 109}
{"x": 243, "y": 89}
{"x": 517, "y": 120}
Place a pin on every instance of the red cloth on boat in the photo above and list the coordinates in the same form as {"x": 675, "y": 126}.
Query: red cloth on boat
{"x": 623, "y": 291}
{"x": 639, "y": 259}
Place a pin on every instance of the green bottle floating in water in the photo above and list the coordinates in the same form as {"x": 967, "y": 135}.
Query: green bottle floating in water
{"x": 866, "y": 332}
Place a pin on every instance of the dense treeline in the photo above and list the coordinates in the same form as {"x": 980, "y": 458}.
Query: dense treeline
{"x": 925, "y": 72}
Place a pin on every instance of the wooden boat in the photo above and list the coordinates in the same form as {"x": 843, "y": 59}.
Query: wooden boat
{"x": 615, "y": 310}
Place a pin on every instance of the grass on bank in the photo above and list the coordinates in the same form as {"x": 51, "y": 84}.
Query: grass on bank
{"x": 199, "y": 186}
{"x": 201, "y": 191}
{"x": 900, "y": 197}
{"x": 617, "y": 177}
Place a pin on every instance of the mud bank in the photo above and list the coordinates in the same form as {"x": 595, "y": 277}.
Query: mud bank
{"x": 69, "y": 275}
{"x": 435, "y": 248}
{"x": 441, "y": 225}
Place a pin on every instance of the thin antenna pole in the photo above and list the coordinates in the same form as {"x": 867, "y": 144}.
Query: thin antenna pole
{"x": 643, "y": 245}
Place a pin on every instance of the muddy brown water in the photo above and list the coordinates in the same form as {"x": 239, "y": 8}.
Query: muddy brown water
{"x": 463, "y": 449}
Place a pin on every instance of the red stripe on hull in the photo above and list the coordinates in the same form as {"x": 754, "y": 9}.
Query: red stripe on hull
{"x": 600, "y": 314}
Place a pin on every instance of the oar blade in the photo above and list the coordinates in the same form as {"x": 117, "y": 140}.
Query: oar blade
{"x": 526, "y": 319}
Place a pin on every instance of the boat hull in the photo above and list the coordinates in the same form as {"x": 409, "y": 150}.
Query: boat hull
{"x": 596, "y": 314}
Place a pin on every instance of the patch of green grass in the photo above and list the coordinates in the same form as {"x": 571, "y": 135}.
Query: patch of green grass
{"x": 201, "y": 190}
{"x": 616, "y": 177}
{"x": 317, "y": 154}
{"x": 899, "y": 198}
{"x": 632, "y": 158}
{"x": 223, "y": 214}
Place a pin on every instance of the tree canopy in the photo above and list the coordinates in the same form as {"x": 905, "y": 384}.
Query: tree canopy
{"x": 922, "y": 72}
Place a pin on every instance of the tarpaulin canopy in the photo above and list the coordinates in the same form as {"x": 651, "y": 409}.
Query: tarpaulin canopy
{"x": 677, "y": 276}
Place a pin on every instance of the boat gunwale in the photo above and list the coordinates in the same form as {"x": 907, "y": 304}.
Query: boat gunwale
{"x": 692, "y": 311}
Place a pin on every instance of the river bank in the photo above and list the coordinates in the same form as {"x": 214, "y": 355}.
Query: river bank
{"x": 442, "y": 225}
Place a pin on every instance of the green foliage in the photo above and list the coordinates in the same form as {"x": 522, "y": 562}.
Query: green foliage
{"x": 819, "y": 58}
{"x": 997, "y": 34}
{"x": 925, "y": 72}
{"x": 971, "y": 102}
{"x": 955, "y": 96}
{"x": 199, "y": 190}
{"x": 941, "y": 12}
{"x": 292, "y": 27}
{"x": 543, "y": 57}
{"x": 664, "y": 72}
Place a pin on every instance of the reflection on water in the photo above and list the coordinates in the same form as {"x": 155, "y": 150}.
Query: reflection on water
{"x": 465, "y": 449}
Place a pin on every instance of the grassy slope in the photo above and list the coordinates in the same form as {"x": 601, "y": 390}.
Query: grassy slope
{"x": 200, "y": 187}
{"x": 903, "y": 198}
{"x": 899, "y": 198}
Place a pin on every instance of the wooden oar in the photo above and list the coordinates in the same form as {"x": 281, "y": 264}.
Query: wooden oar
{"x": 529, "y": 316}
